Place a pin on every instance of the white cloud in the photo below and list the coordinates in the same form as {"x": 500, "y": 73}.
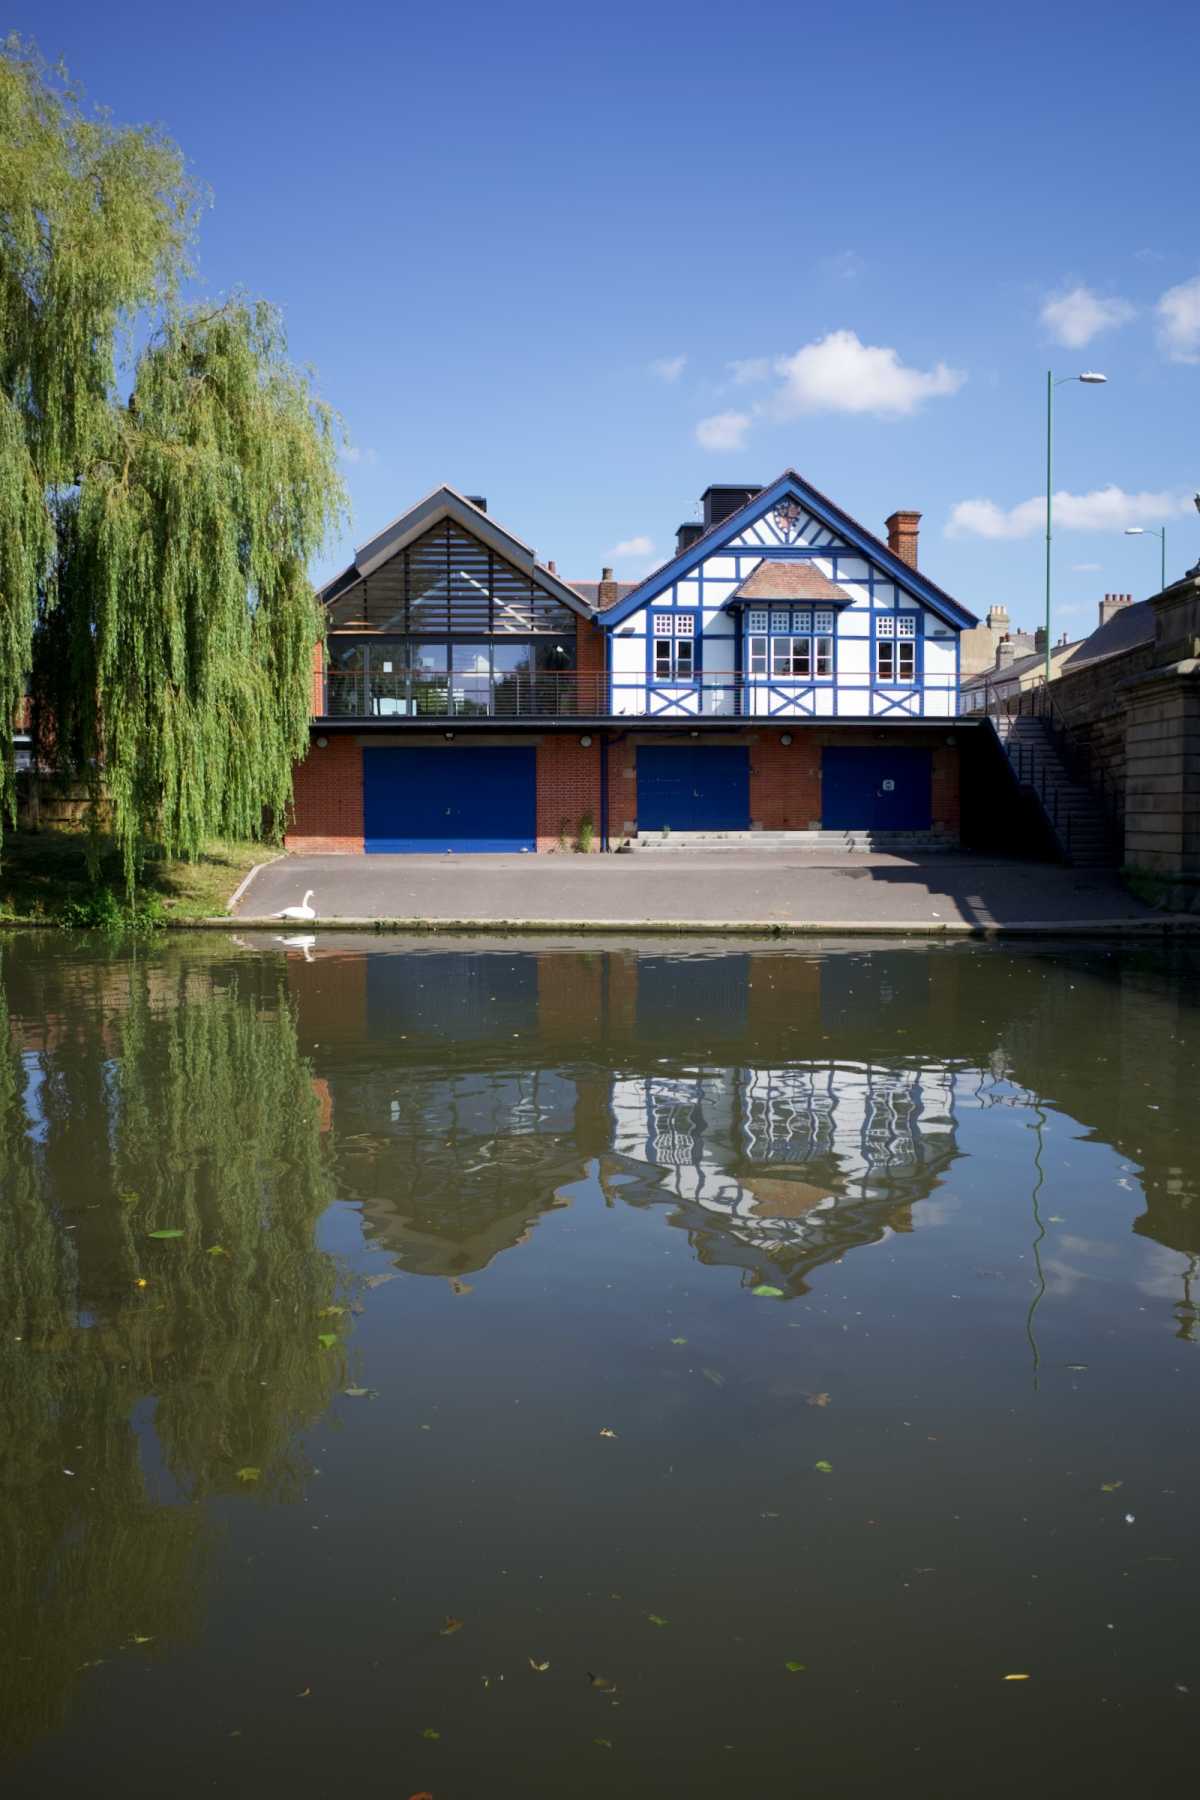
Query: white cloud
{"x": 1104, "y": 509}
{"x": 352, "y": 454}
{"x": 1077, "y": 315}
{"x": 748, "y": 369}
{"x": 839, "y": 373}
{"x": 1179, "y": 321}
{"x": 668, "y": 368}
{"x": 723, "y": 431}
{"x": 634, "y": 546}
{"x": 1087, "y": 568}
{"x": 846, "y": 265}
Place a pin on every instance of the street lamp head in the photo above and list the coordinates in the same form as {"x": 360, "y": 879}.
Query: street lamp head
{"x": 1135, "y": 531}
{"x": 1196, "y": 501}
{"x": 1093, "y": 377}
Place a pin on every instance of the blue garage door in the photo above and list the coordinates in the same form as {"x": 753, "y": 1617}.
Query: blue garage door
{"x": 469, "y": 799}
{"x": 701, "y": 787}
{"x": 876, "y": 790}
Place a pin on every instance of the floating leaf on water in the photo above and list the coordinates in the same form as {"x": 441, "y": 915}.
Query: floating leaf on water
{"x": 823, "y": 1467}
{"x": 1077, "y": 1368}
{"x": 795, "y": 1668}
{"x": 173, "y": 1232}
{"x": 1129, "y": 1518}
{"x": 304, "y": 1693}
{"x": 765, "y": 1292}
{"x": 679, "y": 1340}
{"x": 357, "y": 1393}
{"x": 217, "y": 1250}
{"x": 460, "y": 1287}
{"x": 451, "y": 1626}
{"x": 607, "y": 1431}
{"x": 1110, "y": 1487}
{"x": 539, "y": 1668}
{"x": 430, "y": 1733}
{"x": 712, "y": 1375}
{"x": 248, "y": 1474}
{"x": 602, "y": 1682}
{"x": 655, "y": 1619}
{"x": 128, "y": 1198}
{"x": 327, "y": 1339}
{"x": 141, "y": 1282}
{"x": 1056, "y": 1219}
{"x": 604, "y": 1743}
{"x": 817, "y": 1400}
{"x": 1016, "y": 1678}
{"x": 142, "y": 1640}
{"x": 330, "y": 1312}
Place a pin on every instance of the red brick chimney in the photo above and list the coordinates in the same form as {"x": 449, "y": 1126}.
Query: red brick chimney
{"x": 608, "y": 590}
{"x": 903, "y": 529}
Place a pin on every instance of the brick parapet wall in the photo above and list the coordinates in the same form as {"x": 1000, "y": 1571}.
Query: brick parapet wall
{"x": 327, "y": 805}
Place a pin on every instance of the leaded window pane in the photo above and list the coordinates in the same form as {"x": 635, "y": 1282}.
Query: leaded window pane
{"x": 758, "y": 619}
{"x": 823, "y": 622}
{"x": 886, "y": 626}
{"x": 906, "y": 625}
{"x": 662, "y": 624}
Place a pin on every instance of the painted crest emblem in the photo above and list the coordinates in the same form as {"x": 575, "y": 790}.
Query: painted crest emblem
{"x": 787, "y": 517}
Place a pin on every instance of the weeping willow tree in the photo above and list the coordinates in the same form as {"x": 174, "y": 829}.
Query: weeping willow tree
{"x": 166, "y": 476}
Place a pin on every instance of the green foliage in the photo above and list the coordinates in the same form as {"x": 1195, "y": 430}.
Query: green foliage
{"x": 587, "y": 834}
{"x": 104, "y": 910}
{"x": 157, "y": 509}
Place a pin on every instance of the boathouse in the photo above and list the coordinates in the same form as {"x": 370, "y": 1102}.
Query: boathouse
{"x": 785, "y": 671}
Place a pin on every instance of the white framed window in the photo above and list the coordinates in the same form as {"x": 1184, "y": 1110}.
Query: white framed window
{"x": 674, "y": 635}
{"x": 823, "y": 623}
{"x": 758, "y": 619}
{"x": 791, "y": 658}
{"x": 896, "y": 648}
{"x": 758, "y": 655}
{"x": 823, "y": 658}
{"x": 802, "y": 619}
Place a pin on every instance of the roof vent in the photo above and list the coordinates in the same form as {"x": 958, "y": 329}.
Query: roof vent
{"x": 476, "y": 500}
{"x": 686, "y": 536}
{"x": 719, "y": 501}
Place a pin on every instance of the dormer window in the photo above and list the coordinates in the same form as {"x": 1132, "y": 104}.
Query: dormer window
{"x": 674, "y": 640}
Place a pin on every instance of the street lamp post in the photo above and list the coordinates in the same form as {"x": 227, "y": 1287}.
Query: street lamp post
{"x": 1092, "y": 379}
{"x": 1161, "y": 535}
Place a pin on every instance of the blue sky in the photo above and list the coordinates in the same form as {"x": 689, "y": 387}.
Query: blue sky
{"x": 586, "y": 261}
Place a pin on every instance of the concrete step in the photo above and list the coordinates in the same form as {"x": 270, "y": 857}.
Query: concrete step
{"x": 680, "y": 842}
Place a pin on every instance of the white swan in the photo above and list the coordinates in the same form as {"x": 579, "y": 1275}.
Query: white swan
{"x": 303, "y": 911}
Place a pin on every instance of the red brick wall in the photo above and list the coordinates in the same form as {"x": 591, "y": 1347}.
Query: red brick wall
{"x": 947, "y": 814}
{"x": 327, "y": 807}
{"x": 568, "y": 786}
{"x": 622, "y": 790}
{"x": 785, "y": 782}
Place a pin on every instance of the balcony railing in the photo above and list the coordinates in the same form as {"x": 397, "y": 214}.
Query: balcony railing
{"x": 576, "y": 695}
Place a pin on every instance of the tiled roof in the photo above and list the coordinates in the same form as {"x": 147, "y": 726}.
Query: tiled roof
{"x": 590, "y": 591}
{"x": 1127, "y": 629}
{"x": 788, "y": 581}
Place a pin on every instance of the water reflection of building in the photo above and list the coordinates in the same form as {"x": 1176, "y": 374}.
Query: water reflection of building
{"x": 792, "y": 1162}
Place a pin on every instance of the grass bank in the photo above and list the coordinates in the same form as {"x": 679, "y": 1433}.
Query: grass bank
{"x": 44, "y": 879}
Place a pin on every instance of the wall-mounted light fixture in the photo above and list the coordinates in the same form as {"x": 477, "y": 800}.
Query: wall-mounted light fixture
{"x": 322, "y": 743}
{"x": 447, "y": 735}
{"x": 785, "y": 737}
{"x": 693, "y": 734}
{"x": 585, "y": 743}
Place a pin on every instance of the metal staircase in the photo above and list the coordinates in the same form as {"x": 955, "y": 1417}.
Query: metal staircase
{"x": 1075, "y": 815}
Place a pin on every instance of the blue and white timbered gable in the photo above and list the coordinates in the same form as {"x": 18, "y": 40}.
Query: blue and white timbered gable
{"x": 786, "y": 609}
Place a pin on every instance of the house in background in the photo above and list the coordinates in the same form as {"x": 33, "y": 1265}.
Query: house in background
{"x": 786, "y": 671}
{"x": 1123, "y": 625}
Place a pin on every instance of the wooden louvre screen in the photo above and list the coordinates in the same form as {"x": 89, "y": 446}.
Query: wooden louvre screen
{"x": 448, "y": 584}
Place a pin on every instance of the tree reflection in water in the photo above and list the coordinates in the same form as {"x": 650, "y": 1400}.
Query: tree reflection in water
{"x": 122, "y": 1406}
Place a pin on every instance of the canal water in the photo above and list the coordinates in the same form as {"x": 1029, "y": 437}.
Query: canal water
{"x": 480, "y": 1370}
